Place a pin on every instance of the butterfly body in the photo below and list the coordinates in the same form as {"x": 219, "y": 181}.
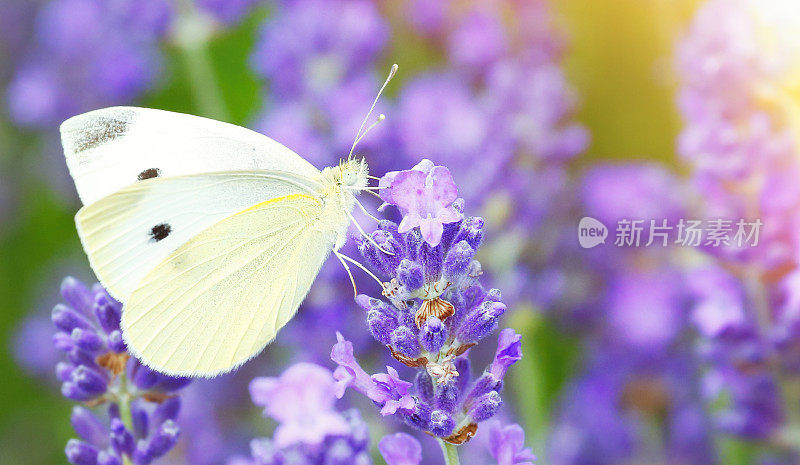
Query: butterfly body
{"x": 339, "y": 184}
{"x": 210, "y": 234}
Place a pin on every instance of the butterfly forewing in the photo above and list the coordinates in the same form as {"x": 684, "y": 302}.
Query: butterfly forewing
{"x": 111, "y": 148}
{"x": 126, "y": 234}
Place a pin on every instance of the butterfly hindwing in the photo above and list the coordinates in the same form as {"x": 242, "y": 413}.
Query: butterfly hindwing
{"x": 219, "y": 298}
{"x": 111, "y": 148}
{"x": 126, "y": 234}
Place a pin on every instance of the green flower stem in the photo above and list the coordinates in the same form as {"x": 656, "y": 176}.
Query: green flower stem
{"x": 124, "y": 402}
{"x": 204, "y": 85}
{"x": 790, "y": 389}
{"x": 193, "y": 31}
{"x": 450, "y": 452}
{"x": 527, "y": 379}
{"x": 125, "y": 412}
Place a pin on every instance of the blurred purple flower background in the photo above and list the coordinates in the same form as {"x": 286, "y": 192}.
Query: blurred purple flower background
{"x": 618, "y": 354}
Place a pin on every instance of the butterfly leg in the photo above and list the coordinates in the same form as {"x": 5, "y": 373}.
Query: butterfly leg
{"x": 342, "y": 257}
{"x": 367, "y": 236}
{"x": 349, "y": 273}
{"x": 364, "y": 209}
{"x": 369, "y": 192}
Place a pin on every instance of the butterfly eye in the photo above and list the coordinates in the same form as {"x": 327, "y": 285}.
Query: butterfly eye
{"x": 348, "y": 178}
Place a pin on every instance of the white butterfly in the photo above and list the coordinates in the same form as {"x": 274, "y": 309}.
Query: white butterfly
{"x": 209, "y": 233}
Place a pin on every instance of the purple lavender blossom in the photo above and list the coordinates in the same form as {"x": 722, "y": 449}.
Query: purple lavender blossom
{"x": 507, "y": 444}
{"x": 39, "y": 359}
{"x": 737, "y": 355}
{"x": 400, "y": 449}
{"x": 311, "y": 46}
{"x": 741, "y": 142}
{"x": 737, "y": 133}
{"x": 154, "y": 433}
{"x": 479, "y": 40}
{"x": 301, "y": 401}
{"x": 87, "y": 53}
{"x": 623, "y": 390}
{"x": 227, "y": 11}
{"x": 436, "y": 311}
{"x": 312, "y": 55}
{"x": 142, "y": 405}
{"x": 425, "y": 195}
{"x": 439, "y": 116}
{"x": 310, "y": 430}
{"x": 385, "y": 389}
{"x": 632, "y": 191}
{"x": 501, "y": 119}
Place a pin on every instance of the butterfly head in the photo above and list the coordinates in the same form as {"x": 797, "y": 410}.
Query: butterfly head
{"x": 351, "y": 174}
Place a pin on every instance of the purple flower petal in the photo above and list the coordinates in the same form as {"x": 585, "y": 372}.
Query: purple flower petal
{"x": 425, "y": 196}
{"x": 509, "y": 351}
{"x": 349, "y": 372}
{"x": 507, "y": 445}
{"x": 400, "y": 449}
{"x": 301, "y": 400}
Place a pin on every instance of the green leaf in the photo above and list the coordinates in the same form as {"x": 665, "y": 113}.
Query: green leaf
{"x": 550, "y": 359}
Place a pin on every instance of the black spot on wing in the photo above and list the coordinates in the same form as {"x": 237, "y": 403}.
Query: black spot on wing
{"x": 101, "y": 131}
{"x": 148, "y": 174}
{"x": 160, "y": 231}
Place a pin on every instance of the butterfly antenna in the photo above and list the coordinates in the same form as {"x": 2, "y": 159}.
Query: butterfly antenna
{"x": 392, "y": 72}
{"x": 381, "y": 117}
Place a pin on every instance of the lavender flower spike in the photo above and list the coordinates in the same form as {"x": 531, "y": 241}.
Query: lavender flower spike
{"x": 436, "y": 311}
{"x": 425, "y": 195}
{"x": 142, "y": 404}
